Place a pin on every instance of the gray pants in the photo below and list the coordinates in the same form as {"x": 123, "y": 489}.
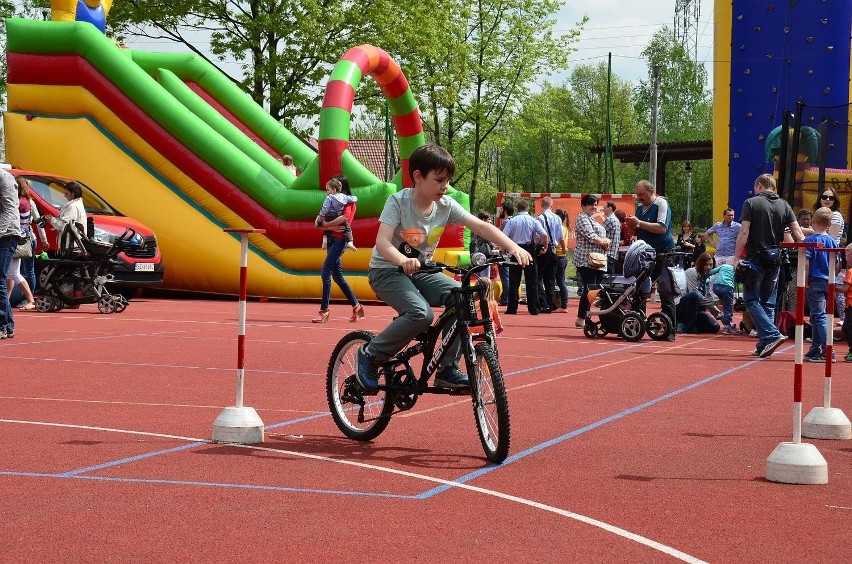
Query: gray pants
{"x": 412, "y": 297}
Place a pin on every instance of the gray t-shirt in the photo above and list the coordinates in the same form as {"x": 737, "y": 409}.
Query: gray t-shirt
{"x": 413, "y": 231}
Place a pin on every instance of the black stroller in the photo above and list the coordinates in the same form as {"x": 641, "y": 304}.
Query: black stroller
{"x": 80, "y": 272}
{"x": 619, "y": 302}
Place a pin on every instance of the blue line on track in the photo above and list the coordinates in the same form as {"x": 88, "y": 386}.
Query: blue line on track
{"x": 523, "y": 454}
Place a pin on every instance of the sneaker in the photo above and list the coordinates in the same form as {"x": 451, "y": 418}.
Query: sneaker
{"x": 451, "y": 378}
{"x": 2, "y": 333}
{"x": 351, "y": 246}
{"x": 365, "y": 372}
{"x": 22, "y": 304}
{"x": 848, "y": 357}
{"x": 756, "y": 351}
{"x": 580, "y": 322}
{"x": 728, "y": 330}
{"x": 752, "y": 333}
{"x": 814, "y": 356}
{"x": 10, "y": 334}
{"x": 772, "y": 346}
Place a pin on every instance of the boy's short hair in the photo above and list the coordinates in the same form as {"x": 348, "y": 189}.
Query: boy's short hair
{"x": 484, "y": 216}
{"x": 822, "y": 217}
{"x": 429, "y": 157}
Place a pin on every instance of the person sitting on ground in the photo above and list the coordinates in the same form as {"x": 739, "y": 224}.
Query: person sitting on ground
{"x": 692, "y": 312}
{"x": 817, "y": 283}
{"x": 409, "y": 232}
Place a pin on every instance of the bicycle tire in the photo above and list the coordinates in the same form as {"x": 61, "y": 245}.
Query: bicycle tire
{"x": 376, "y": 409}
{"x": 490, "y": 404}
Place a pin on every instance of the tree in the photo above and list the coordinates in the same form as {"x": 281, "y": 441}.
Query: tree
{"x": 685, "y": 114}
{"x": 588, "y": 110}
{"x": 287, "y": 47}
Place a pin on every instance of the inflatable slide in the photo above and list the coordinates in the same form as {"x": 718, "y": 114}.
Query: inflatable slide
{"x": 171, "y": 141}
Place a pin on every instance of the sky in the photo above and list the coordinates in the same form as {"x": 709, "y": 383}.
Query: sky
{"x": 625, "y": 27}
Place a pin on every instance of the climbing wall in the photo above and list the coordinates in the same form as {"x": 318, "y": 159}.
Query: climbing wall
{"x": 783, "y": 51}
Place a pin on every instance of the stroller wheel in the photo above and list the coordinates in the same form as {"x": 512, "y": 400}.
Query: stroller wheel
{"x": 632, "y": 327}
{"x": 658, "y": 326}
{"x": 106, "y": 304}
{"x": 44, "y": 304}
{"x": 590, "y": 329}
{"x": 120, "y": 303}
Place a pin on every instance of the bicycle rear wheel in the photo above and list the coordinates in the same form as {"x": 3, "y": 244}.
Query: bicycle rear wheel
{"x": 490, "y": 403}
{"x": 358, "y": 416}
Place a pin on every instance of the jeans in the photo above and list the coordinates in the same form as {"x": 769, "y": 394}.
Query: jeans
{"x": 817, "y": 292}
{"x": 561, "y": 265}
{"x": 726, "y": 295}
{"x": 7, "y": 249}
{"x": 333, "y": 268}
{"x": 759, "y": 295}
{"x": 412, "y": 297}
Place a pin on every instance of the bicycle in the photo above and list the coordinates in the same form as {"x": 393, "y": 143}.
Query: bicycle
{"x": 363, "y": 417}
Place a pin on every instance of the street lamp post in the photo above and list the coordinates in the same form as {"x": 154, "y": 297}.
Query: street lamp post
{"x": 688, "y": 191}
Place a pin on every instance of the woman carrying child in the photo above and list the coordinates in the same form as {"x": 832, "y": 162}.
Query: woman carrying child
{"x": 332, "y": 208}
{"x": 333, "y": 267}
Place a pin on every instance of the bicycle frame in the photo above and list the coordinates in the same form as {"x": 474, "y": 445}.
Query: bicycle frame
{"x": 455, "y": 322}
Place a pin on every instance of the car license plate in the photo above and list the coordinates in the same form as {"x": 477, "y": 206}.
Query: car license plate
{"x": 144, "y": 267}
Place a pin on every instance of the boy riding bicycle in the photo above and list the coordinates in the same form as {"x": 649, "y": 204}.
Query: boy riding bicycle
{"x": 410, "y": 226}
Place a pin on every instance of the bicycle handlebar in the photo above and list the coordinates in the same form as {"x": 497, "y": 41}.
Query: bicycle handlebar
{"x": 436, "y": 267}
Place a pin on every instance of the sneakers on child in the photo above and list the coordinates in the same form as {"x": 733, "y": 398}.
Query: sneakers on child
{"x": 365, "y": 372}
{"x": 730, "y": 330}
{"x": 451, "y": 378}
{"x": 848, "y": 357}
{"x": 351, "y": 246}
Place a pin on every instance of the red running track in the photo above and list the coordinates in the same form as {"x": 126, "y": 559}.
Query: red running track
{"x": 620, "y": 452}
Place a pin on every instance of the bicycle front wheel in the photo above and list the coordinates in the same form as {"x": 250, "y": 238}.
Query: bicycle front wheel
{"x": 490, "y": 403}
{"x": 358, "y": 416}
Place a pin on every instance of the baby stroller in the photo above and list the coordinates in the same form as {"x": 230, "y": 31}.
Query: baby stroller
{"x": 619, "y": 302}
{"x": 80, "y": 272}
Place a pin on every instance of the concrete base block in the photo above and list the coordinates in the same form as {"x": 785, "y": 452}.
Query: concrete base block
{"x": 826, "y": 423}
{"x": 796, "y": 463}
{"x": 239, "y": 425}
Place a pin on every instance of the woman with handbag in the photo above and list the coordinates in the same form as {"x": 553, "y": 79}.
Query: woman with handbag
{"x": 24, "y": 249}
{"x": 589, "y": 257}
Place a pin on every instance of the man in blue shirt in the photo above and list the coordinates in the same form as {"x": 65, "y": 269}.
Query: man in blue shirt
{"x": 524, "y": 230}
{"x": 653, "y": 224}
{"x": 726, "y": 232}
{"x": 546, "y": 259}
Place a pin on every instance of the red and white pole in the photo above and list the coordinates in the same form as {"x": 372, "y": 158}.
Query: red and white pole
{"x": 797, "y": 462}
{"x": 240, "y": 424}
{"x": 828, "y": 422}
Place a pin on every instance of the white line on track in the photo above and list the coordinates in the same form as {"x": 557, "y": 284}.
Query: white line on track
{"x": 673, "y": 552}
{"x": 152, "y": 404}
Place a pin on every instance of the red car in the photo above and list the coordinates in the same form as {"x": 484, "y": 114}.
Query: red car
{"x": 139, "y": 266}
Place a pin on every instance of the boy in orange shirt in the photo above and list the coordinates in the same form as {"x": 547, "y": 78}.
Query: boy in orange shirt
{"x": 846, "y": 287}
